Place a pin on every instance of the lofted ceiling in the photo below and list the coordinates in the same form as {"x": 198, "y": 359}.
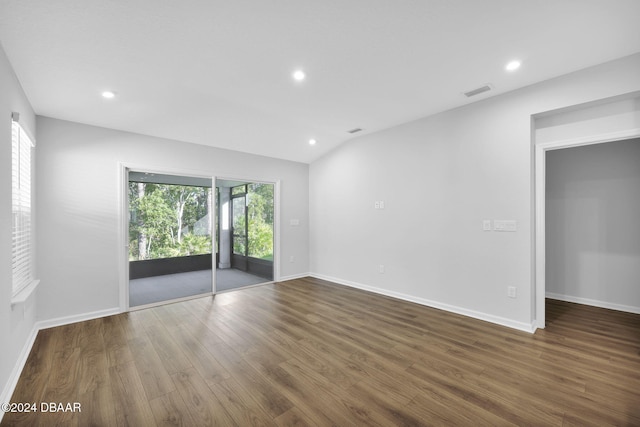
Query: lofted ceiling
{"x": 219, "y": 73}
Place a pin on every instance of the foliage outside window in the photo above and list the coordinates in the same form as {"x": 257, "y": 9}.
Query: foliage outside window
{"x": 253, "y": 205}
{"x": 168, "y": 221}
{"x": 239, "y": 224}
{"x": 240, "y": 189}
{"x": 260, "y": 217}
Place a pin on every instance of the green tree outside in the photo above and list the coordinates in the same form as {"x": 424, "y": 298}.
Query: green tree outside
{"x": 168, "y": 221}
{"x": 260, "y": 217}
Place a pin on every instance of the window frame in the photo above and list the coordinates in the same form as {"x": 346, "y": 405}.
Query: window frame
{"x": 23, "y": 280}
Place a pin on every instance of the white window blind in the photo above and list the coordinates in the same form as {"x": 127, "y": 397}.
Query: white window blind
{"x": 21, "y": 189}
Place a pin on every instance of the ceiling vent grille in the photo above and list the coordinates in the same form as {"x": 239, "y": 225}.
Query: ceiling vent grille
{"x": 478, "y": 91}
{"x": 355, "y": 130}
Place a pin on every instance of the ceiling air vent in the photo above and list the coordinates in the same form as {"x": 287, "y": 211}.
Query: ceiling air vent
{"x": 478, "y": 91}
{"x": 356, "y": 130}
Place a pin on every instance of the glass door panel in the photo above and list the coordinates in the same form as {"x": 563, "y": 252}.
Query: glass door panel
{"x": 170, "y": 237}
{"x": 247, "y": 238}
{"x": 239, "y": 224}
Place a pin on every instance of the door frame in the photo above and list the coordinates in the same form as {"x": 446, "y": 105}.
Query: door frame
{"x": 276, "y": 215}
{"x": 123, "y": 226}
{"x": 540, "y": 150}
{"x": 246, "y": 228}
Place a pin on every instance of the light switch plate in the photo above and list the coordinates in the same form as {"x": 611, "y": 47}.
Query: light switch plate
{"x": 505, "y": 225}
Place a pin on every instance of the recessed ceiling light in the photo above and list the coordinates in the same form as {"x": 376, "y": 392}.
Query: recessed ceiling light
{"x": 312, "y": 142}
{"x": 108, "y": 94}
{"x": 513, "y": 65}
{"x": 299, "y": 75}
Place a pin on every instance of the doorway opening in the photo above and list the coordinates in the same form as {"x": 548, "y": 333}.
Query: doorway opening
{"x": 170, "y": 235}
{"x": 245, "y": 233}
{"x": 541, "y": 150}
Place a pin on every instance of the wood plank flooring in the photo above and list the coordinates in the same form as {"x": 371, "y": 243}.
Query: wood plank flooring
{"x": 308, "y": 352}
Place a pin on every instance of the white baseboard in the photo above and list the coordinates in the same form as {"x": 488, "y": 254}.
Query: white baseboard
{"x": 60, "y": 321}
{"x": 526, "y": 327}
{"x": 293, "y": 277}
{"x": 594, "y": 303}
{"x": 10, "y": 386}
{"x": 45, "y": 324}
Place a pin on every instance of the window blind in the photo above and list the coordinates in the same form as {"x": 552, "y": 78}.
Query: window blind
{"x": 22, "y": 252}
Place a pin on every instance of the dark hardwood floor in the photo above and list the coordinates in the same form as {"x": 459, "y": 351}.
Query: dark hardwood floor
{"x": 308, "y": 352}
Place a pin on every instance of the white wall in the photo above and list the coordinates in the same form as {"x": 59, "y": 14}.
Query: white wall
{"x": 17, "y": 324}
{"x": 603, "y": 117}
{"x": 593, "y": 224}
{"x": 440, "y": 177}
{"x": 78, "y": 207}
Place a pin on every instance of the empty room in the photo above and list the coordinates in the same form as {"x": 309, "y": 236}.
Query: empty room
{"x": 320, "y": 213}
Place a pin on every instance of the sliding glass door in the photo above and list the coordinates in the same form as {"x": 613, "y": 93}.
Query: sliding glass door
{"x": 246, "y": 245}
{"x": 170, "y": 237}
{"x": 240, "y": 231}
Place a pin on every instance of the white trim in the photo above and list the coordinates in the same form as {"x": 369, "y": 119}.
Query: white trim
{"x": 590, "y": 140}
{"x": 522, "y": 326}
{"x": 67, "y": 320}
{"x": 167, "y": 170}
{"x": 594, "y": 303}
{"x": 23, "y": 295}
{"x": 214, "y": 235}
{"x": 534, "y": 226}
{"x": 123, "y": 236}
{"x": 540, "y": 227}
{"x": 540, "y": 204}
{"x": 276, "y": 232}
{"x": 588, "y": 104}
{"x": 294, "y": 277}
{"x": 12, "y": 381}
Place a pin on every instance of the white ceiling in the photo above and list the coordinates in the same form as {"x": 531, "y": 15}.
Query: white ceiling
{"x": 218, "y": 72}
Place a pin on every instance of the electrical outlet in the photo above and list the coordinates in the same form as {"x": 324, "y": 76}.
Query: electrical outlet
{"x": 381, "y": 269}
{"x": 486, "y": 225}
{"x": 511, "y": 291}
{"x": 292, "y": 259}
